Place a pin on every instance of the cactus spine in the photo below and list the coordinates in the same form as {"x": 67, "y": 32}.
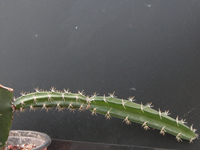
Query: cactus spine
{"x": 109, "y": 106}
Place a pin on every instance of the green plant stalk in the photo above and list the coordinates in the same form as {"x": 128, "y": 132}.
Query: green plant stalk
{"x": 6, "y": 114}
{"x": 109, "y": 106}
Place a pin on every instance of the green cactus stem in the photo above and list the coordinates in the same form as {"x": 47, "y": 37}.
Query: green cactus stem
{"x": 6, "y": 114}
{"x": 109, "y": 106}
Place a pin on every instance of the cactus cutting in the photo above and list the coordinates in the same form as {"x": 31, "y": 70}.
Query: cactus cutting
{"x": 109, "y": 106}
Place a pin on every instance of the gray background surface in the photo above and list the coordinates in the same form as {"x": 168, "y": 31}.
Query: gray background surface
{"x": 149, "y": 49}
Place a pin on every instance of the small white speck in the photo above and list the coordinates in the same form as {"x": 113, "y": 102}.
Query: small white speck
{"x": 133, "y": 89}
{"x": 148, "y": 5}
{"x": 76, "y": 27}
{"x": 36, "y": 35}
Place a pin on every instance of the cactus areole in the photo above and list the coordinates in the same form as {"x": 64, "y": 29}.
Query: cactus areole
{"x": 106, "y": 105}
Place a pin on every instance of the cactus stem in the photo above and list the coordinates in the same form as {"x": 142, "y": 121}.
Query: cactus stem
{"x": 108, "y": 106}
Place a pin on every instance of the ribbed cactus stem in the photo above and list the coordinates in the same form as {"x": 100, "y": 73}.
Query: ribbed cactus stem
{"x": 6, "y": 114}
{"x": 109, "y": 106}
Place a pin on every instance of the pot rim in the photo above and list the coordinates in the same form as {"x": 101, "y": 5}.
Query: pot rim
{"x": 44, "y": 145}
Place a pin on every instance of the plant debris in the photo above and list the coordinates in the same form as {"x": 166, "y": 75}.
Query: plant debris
{"x": 21, "y": 147}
